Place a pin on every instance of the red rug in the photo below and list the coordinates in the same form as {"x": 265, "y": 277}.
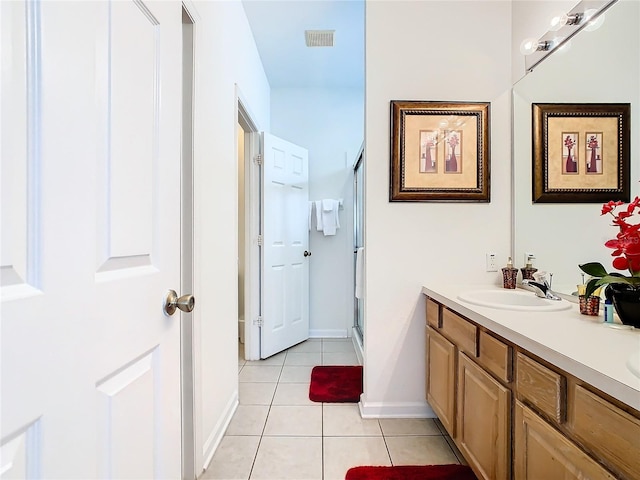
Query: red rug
{"x": 412, "y": 472}
{"x": 336, "y": 384}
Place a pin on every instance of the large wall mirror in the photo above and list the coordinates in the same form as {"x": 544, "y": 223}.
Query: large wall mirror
{"x": 600, "y": 66}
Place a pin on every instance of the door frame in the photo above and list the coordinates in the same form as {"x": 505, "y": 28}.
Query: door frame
{"x": 252, "y": 226}
{"x": 187, "y": 248}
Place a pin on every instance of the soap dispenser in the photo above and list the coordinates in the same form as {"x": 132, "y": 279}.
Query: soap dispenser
{"x": 528, "y": 270}
{"x": 509, "y": 275}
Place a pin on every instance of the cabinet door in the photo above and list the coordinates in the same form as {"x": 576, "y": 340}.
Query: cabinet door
{"x": 441, "y": 378}
{"x": 543, "y": 452}
{"x": 484, "y": 421}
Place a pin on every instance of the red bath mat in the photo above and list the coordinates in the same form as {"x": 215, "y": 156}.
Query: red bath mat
{"x": 412, "y": 472}
{"x": 336, "y": 384}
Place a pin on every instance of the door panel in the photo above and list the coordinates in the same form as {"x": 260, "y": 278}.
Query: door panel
{"x": 90, "y": 364}
{"x": 285, "y": 209}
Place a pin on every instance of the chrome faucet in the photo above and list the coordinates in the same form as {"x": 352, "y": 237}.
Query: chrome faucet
{"x": 542, "y": 290}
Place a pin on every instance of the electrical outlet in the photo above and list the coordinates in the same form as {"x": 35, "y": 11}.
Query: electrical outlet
{"x": 492, "y": 266}
{"x": 529, "y": 257}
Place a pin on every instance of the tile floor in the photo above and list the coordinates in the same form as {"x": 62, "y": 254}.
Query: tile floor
{"x": 277, "y": 433}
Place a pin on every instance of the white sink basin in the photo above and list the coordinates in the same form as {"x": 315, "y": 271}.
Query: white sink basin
{"x": 513, "y": 300}
{"x": 633, "y": 364}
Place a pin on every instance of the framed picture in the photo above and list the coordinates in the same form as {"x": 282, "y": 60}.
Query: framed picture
{"x": 581, "y": 152}
{"x": 439, "y": 152}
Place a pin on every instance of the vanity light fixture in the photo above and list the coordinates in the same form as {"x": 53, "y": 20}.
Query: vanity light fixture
{"x": 530, "y": 45}
{"x": 588, "y": 15}
{"x": 559, "y": 20}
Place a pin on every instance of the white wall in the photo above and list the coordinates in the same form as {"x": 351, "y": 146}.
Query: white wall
{"x": 330, "y": 124}
{"x": 435, "y": 50}
{"x": 225, "y": 56}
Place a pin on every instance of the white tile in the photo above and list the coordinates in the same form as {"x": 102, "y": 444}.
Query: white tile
{"x": 409, "y": 426}
{"x": 248, "y": 420}
{"x": 233, "y": 459}
{"x": 277, "y": 359}
{"x": 303, "y": 358}
{"x": 338, "y": 346}
{"x": 292, "y": 394}
{"x": 339, "y": 358}
{"x": 288, "y": 458}
{"x": 296, "y": 374}
{"x": 294, "y": 421}
{"x": 256, "y": 393}
{"x": 457, "y": 452}
{"x": 311, "y": 345}
{"x": 253, "y": 373}
{"x": 345, "y": 420}
{"x": 342, "y": 453}
{"x": 413, "y": 450}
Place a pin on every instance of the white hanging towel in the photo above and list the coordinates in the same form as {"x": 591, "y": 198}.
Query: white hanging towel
{"x": 318, "y": 215}
{"x": 360, "y": 272}
{"x": 310, "y": 214}
{"x": 330, "y": 220}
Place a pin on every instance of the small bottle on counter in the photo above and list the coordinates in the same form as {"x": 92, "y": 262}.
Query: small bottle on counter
{"x": 608, "y": 311}
{"x": 509, "y": 275}
{"x": 528, "y": 270}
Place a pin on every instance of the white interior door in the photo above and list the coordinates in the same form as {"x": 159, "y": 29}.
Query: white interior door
{"x": 90, "y": 239}
{"x": 285, "y": 227}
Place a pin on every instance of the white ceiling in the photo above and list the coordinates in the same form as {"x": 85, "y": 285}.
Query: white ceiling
{"x": 278, "y": 29}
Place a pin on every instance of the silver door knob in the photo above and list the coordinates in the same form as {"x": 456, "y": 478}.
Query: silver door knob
{"x": 184, "y": 303}
{"x": 307, "y": 253}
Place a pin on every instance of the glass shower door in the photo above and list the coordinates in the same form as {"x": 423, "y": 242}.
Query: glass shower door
{"x": 358, "y": 242}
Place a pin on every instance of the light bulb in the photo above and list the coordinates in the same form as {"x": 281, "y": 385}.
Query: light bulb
{"x": 558, "y": 21}
{"x": 528, "y": 46}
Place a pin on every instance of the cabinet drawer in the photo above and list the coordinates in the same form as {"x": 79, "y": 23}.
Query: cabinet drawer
{"x": 541, "y": 387}
{"x": 460, "y": 331}
{"x": 609, "y": 432}
{"x": 495, "y": 356}
{"x": 433, "y": 313}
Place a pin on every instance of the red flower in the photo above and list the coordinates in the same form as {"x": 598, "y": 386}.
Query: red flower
{"x": 626, "y": 245}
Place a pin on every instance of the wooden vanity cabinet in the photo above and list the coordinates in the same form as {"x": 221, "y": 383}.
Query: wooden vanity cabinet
{"x": 543, "y": 452}
{"x": 441, "y": 386}
{"x": 473, "y": 406}
{"x": 483, "y": 421}
{"x": 514, "y": 415}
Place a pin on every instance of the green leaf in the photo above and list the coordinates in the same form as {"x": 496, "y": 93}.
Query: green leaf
{"x": 594, "y": 269}
{"x": 594, "y": 283}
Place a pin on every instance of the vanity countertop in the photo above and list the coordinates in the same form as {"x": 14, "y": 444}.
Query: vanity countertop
{"x": 581, "y": 345}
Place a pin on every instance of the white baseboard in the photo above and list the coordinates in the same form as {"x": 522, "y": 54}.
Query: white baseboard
{"x": 395, "y": 410}
{"x": 337, "y": 333}
{"x": 215, "y": 437}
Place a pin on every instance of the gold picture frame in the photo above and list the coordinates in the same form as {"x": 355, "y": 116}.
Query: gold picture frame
{"x": 581, "y": 152}
{"x": 439, "y": 152}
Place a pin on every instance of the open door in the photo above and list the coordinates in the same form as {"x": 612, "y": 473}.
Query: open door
{"x": 285, "y": 251}
{"x": 90, "y": 171}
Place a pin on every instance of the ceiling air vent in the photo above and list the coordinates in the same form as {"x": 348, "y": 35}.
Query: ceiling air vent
{"x": 319, "y": 38}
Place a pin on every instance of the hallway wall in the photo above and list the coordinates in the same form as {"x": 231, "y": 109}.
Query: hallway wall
{"x": 221, "y": 72}
{"x": 330, "y": 124}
